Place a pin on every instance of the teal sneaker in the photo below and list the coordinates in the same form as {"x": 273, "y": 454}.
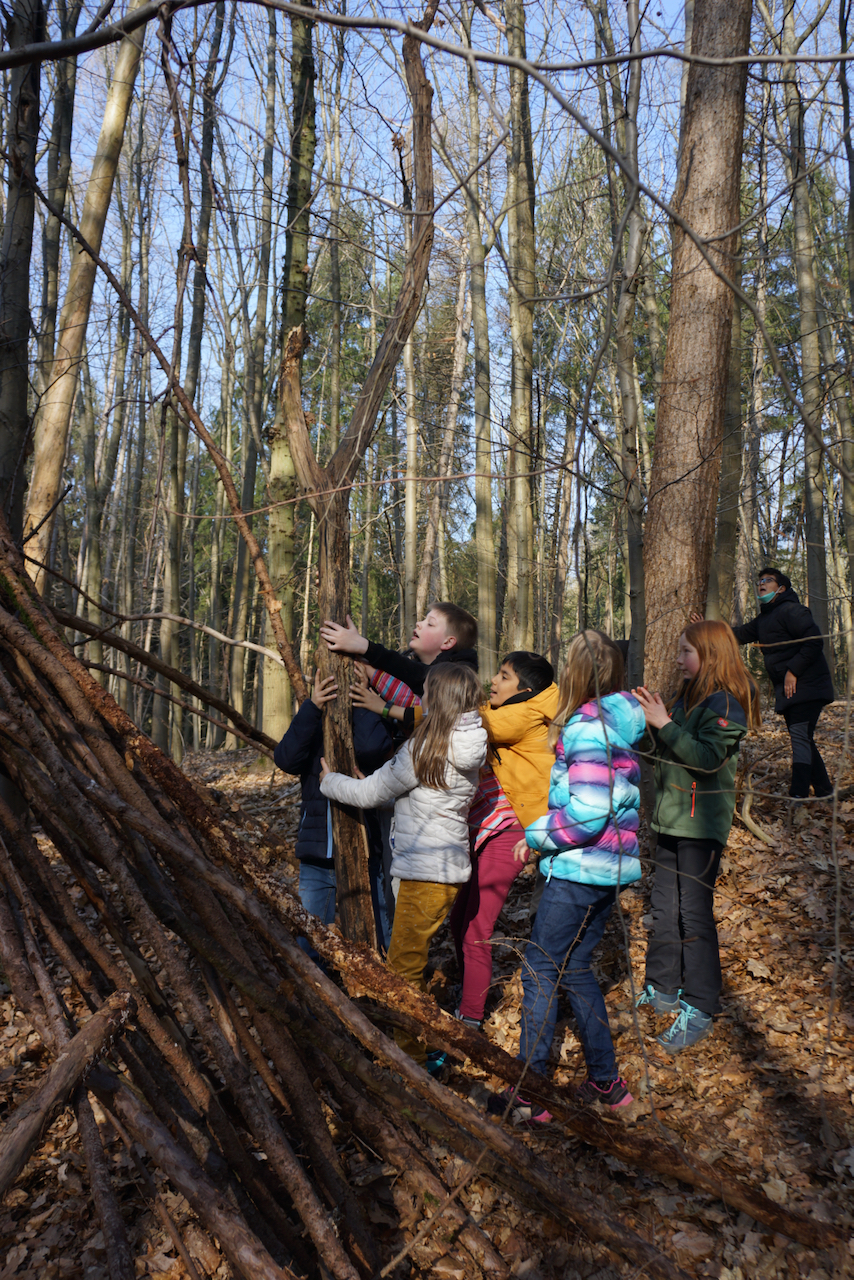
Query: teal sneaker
{"x": 661, "y": 1001}
{"x": 436, "y": 1061}
{"x": 691, "y": 1026}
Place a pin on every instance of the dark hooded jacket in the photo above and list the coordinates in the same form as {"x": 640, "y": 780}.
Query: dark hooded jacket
{"x": 299, "y": 752}
{"x": 790, "y": 640}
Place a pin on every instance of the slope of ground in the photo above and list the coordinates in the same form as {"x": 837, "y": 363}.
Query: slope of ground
{"x": 768, "y": 1097}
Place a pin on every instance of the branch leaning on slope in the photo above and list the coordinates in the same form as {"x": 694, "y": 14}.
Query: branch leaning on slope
{"x": 271, "y": 601}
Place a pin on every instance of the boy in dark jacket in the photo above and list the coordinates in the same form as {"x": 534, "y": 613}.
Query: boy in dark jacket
{"x": 793, "y": 652}
{"x": 447, "y": 634}
{"x": 299, "y": 752}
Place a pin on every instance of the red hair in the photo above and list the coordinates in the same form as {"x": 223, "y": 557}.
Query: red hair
{"x": 721, "y": 669}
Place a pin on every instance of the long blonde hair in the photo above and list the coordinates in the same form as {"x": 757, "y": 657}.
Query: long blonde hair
{"x": 721, "y": 670}
{"x": 593, "y": 668}
{"x": 451, "y": 689}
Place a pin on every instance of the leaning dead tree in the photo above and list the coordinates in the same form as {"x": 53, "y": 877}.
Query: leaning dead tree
{"x": 241, "y": 1047}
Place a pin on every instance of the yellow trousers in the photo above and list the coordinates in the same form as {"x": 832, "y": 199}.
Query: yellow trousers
{"x": 420, "y": 909}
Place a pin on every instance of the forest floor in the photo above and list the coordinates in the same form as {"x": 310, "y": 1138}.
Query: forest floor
{"x": 768, "y": 1097}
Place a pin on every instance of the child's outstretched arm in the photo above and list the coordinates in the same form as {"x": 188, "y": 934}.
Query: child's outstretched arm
{"x": 394, "y": 779}
{"x": 348, "y": 640}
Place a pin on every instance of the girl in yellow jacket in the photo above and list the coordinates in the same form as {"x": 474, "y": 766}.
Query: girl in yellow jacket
{"x": 513, "y": 793}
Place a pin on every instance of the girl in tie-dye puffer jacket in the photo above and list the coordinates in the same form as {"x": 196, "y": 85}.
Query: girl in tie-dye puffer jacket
{"x": 588, "y": 847}
{"x": 590, "y": 831}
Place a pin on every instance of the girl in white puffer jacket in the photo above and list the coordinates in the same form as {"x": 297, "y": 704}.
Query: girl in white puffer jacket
{"x": 432, "y": 780}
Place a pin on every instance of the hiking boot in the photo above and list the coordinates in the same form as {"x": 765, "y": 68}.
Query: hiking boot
{"x": 436, "y": 1060}
{"x": 661, "y": 1001}
{"x": 521, "y": 1112}
{"x": 691, "y": 1026}
{"x": 613, "y": 1095}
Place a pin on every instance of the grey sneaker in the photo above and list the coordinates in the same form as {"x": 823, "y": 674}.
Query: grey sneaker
{"x": 691, "y": 1026}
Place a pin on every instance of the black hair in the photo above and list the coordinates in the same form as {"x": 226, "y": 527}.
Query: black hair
{"x": 777, "y": 574}
{"x": 534, "y": 671}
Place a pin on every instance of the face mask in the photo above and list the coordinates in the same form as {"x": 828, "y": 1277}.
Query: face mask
{"x": 768, "y": 597}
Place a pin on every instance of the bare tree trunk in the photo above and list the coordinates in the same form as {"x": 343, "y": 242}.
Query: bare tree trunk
{"x": 636, "y": 233}
{"x": 26, "y": 25}
{"x": 839, "y": 390}
{"x": 438, "y": 498}
{"x": 719, "y": 599}
{"x": 811, "y": 391}
{"x": 54, "y": 417}
{"x": 684, "y": 482}
{"x": 562, "y": 537}
{"x": 848, "y": 433}
{"x": 282, "y": 522}
{"x": 410, "y": 490}
{"x": 58, "y": 171}
{"x": 521, "y": 254}
{"x": 484, "y": 536}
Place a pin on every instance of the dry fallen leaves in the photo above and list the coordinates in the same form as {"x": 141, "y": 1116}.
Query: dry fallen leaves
{"x": 769, "y": 1096}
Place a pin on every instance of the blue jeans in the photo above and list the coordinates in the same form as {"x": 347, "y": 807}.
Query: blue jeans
{"x": 317, "y": 895}
{"x": 570, "y": 922}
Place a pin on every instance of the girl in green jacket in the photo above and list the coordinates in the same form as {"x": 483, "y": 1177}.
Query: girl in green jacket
{"x": 696, "y": 752}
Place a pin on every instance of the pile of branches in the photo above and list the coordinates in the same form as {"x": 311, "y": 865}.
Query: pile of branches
{"x": 211, "y": 1039}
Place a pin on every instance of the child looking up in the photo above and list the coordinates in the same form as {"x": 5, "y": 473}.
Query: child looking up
{"x": 696, "y": 754}
{"x": 447, "y": 634}
{"x": 513, "y": 792}
{"x": 589, "y": 851}
{"x": 432, "y": 781}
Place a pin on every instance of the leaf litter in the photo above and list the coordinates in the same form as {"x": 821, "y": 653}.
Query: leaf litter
{"x": 768, "y": 1098}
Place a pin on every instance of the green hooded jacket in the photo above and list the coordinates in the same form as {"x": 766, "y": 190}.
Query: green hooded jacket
{"x": 696, "y": 757}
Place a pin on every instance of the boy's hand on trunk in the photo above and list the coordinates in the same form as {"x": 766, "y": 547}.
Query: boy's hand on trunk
{"x": 343, "y": 639}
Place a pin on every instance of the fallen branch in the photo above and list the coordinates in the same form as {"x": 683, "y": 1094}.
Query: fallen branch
{"x": 21, "y": 1134}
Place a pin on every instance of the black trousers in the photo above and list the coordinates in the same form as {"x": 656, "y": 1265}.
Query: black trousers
{"x": 683, "y": 950}
{"x": 807, "y": 765}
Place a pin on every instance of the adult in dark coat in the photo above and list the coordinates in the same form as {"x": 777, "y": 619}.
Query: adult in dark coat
{"x": 793, "y": 652}
{"x": 299, "y": 752}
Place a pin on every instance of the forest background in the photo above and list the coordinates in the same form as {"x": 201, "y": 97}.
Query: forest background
{"x": 511, "y": 458}
{"x": 545, "y": 311}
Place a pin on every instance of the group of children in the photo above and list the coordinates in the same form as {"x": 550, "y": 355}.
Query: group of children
{"x": 552, "y": 768}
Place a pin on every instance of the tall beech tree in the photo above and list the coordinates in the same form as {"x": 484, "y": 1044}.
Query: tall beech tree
{"x": 684, "y": 482}
{"x": 327, "y": 489}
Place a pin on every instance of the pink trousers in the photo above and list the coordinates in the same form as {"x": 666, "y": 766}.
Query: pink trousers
{"x": 475, "y": 912}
